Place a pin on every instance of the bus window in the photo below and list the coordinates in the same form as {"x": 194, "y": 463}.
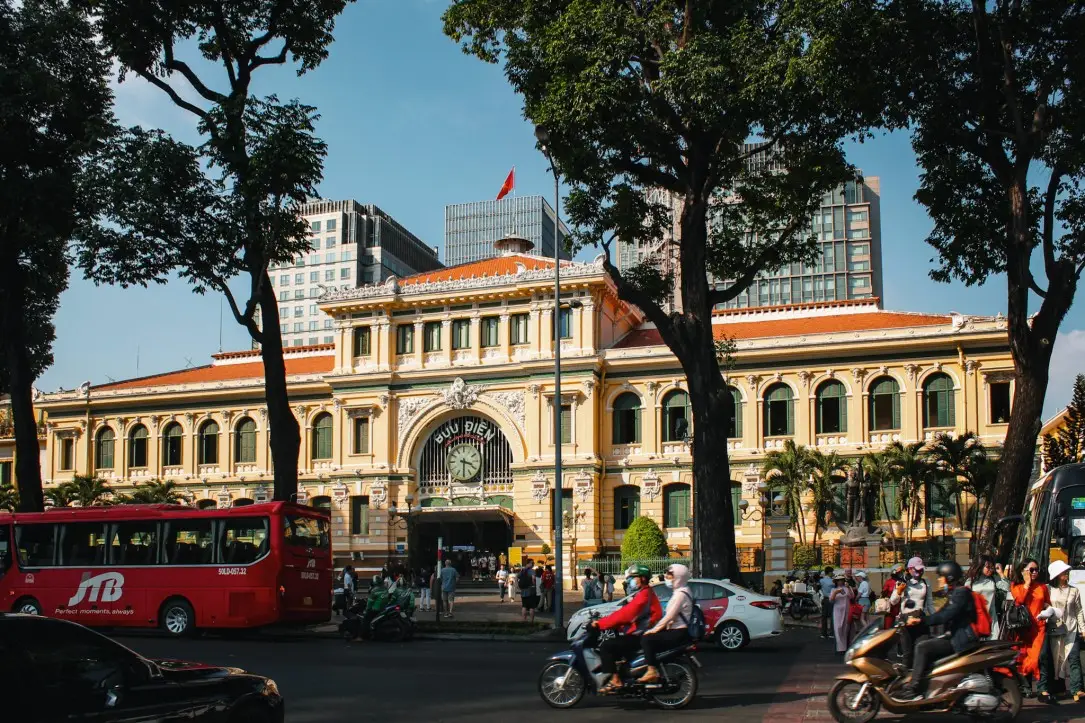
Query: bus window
{"x": 1030, "y": 533}
{"x": 244, "y": 540}
{"x": 81, "y": 543}
{"x": 306, "y": 532}
{"x": 5, "y": 550}
{"x": 35, "y": 545}
{"x": 189, "y": 542}
{"x": 133, "y": 543}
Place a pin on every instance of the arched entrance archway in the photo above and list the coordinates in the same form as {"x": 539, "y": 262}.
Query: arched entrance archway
{"x": 464, "y": 485}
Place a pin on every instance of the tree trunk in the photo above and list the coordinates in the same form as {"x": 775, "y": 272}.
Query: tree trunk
{"x": 285, "y": 438}
{"x": 27, "y": 452}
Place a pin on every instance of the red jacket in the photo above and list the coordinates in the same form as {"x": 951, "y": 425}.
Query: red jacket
{"x": 640, "y": 613}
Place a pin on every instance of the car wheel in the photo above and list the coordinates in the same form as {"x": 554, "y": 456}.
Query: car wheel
{"x": 177, "y": 618}
{"x": 732, "y": 636}
{"x": 27, "y": 606}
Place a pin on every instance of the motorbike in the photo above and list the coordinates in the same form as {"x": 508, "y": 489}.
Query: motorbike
{"x": 981, "y": 682}
{"x": 799, "y": 605}
{"x": 379, "y": 617}
{"x": 567, "y": 676}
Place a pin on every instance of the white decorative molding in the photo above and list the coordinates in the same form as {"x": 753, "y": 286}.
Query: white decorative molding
{"x": 540, "y": 486}
{"x": 912, "y": 370}
{"x": 339, "y": 494}
{"x": 583, "y": 486}
{"x": 223, "y": 497}
{"x": 858, "y": 374}
{"x": 589, "y": 385}
{"x": 461, "y": 395}
{"x": 970, "y": 366}
{"x": 534, "y": 389}
{"x": 407, "y": 409}
{"x": 378, "y": 492}
{"x": 514, "y": 403}
{"x": 753, "y": 380}
{"x": 650, "y": 484}
{"x": 260, "y": 494}
{"x": 805, "y": 377}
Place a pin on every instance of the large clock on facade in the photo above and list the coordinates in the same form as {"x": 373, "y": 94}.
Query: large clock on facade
{"x": 464, "y": 461}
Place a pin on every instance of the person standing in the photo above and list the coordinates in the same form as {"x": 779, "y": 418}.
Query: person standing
{"x": 609, "y": 587}
{"x": 1062, "y": 656}
{"x": 449, "y": 577}
{"x": 502, "y": 582}
{"x": 985, "y": 579}
{"x": 840, "y": 601}
{"x": 1028, "y": 591}
{"x": 526, "y": 582}
{"x": 548, "y": 588}
{"x": 896, "y": 576}
{"x": 826, "y": 586}
{"x": 425, "y": 596}
{"x": 862, "y": 597}
{"x": 593, "y": 593}
{"x": 349, "y": 582}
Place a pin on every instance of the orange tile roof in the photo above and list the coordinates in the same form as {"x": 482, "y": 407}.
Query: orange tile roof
{"x": 225, "y": 372}
{"x": 797, "y": 326}
{"x": 497, "y": 266}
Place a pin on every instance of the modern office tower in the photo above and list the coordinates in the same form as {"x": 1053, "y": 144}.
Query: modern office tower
{"x": 472, "y": 228}
{"x": 848, "y": 265}
{"x": 352, "y": 244}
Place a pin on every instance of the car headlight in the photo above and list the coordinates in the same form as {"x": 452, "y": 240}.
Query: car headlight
{"x": 271, "y": 689}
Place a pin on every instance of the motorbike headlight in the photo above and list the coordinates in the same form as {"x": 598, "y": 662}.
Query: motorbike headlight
{"x": 271, "y": 689}
{"x": 849, "y": 655}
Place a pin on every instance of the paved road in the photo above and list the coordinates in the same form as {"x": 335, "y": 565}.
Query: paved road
{"x": 327, "y": 681}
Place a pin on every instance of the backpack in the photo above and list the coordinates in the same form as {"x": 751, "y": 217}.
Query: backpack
{"x": 695, "y": 625}
{"x": 982, "y": 626}
{"x": 526, "y": 582}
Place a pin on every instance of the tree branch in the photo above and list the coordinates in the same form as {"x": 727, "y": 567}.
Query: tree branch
{"x": 1050, "y": 197}
{"x": 265, "y": 60}
{"x": 720, "y": 296}
{"x": 1036, "y": 287}
{"x": 630, "y": 293}
{"x": 648, "y": 175}
{"x": 183, "y": 68}
{"x": 168, "y": 89}
{"x": 246, "y": 319}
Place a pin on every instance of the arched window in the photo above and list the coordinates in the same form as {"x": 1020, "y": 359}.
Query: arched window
{"x": 733, "y": 400}
{"x": 676, "y": 505}
{"x": 322, "y": 437}
{"x": 207, "y": 504}
{"x": 322, "y": 502}
{"x": 676, "y": 416}
{"x": 884, "y": 410}
{"x": 245, "y": 441}
{"x": 171, "y": 445}
{"x": 832, "y": 408}
{"x": 103, "y": 448}
{"x": 626, "y": 506}
{"x": 137, "y": 446}
{"x": 241, "y": 502}
{"x": 626, "y": 419}
{"x": 779, "y": 411}
{"x": 938, "y": 406}
{"x": 209, "y": 443}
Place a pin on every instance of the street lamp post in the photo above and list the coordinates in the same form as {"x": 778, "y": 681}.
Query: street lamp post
{"x": 543, "y": 136}
{"x": 393, "y": 516}
{"x": 758, "y": 514}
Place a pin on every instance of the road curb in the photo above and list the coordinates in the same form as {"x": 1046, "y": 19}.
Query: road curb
{"x": 543, "y": 637}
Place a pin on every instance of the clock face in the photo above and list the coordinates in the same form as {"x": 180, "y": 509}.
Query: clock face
{"x": 464, "y": 462}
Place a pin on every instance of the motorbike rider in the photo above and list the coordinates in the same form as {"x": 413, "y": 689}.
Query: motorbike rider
{"x": 639, "y": 614}
{"x": 672, "y": 629}
{"x": 957, "y": 617}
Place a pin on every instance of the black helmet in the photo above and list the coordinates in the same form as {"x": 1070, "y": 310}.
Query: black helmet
{"x": 951, "y": 571}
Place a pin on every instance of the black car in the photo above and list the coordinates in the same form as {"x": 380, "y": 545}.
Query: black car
{"x": 54, "y": 670}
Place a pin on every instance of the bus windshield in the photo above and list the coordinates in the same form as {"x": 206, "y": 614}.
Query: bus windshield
{"x": 1030, "y": 533}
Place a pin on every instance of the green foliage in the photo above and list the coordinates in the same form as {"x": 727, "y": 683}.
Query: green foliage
{"x": 546, "y": 549}
{"x": 828, "y": 470}
{"x": 643, "y": 540}
{"x": 9, "y": 498}
{"x": 81, "y": 490}
{"x": 1067, "y": 444}
{"x": 790, "y": 470}
{"x": 912, "y": 470}
{"x": 956, "y": 460}
{"x": 804, "y": 557}
{"x": 153, "y": 492}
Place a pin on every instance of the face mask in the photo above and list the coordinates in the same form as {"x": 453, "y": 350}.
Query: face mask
{"x": 669, "y": 583}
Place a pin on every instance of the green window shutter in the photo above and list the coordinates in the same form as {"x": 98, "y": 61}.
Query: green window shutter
{"x": 359, "y": 517}
{"x": 566, "y": 424}
{"x": 843, "y": 412}
{"x": 951, "y": 409}
{"x": 790, "y": 416}
{"x": 896, "y": 409}
{"x": 361, "y": 435}
{"x": 738, "y": 413}
{"x": 636, "y": 425}
{"x": 736, "y": 498}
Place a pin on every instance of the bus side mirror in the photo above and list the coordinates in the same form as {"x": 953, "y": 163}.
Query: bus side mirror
{"x": 1010, "y": 520}
{"x": 1059, "y": 526}
{"x": 1060, "y": 509}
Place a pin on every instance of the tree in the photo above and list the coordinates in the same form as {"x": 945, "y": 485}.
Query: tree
{"x": 229, "y": 206}
{"x": 994, "y": 91}
{"x": 791, "y": 469}
{"x": 86, "y": 490}
{"x": 955, "y": 459}
{"x": 913, "y": 472}
{"x": 644, "y": 101}
{"x": 643, "y": 541}
{"x": 879, "y": 470}
{"x": 1067, "y": 445}
{"x": 828, "y": 470}
{"x": 55, "y": 113}
{"x": 155, "y": 492}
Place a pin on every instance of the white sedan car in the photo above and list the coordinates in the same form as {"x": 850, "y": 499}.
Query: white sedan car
{"x": 733, "y": 615}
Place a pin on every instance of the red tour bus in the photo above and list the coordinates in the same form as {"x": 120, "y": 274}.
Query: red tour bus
{"x": 169, "y": 566}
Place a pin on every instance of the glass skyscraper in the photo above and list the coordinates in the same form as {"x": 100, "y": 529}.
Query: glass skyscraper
{"x": 472, "y": 228}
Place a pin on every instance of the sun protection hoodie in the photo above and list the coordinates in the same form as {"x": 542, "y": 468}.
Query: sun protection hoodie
{"x": 636, "y": 616}
{"x": 680, "y": 606}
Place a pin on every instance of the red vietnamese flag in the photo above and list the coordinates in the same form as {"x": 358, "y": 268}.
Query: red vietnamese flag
{"x": 508, "y": 185}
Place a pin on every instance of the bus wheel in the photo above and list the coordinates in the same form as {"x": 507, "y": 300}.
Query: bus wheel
{"x": 27, "y": 606}
{"x": 177, "y": 617}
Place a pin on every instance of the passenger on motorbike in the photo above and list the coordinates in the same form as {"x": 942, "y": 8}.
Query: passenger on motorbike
{"x": 957, "y": 616}
{"x": 639, "y": 614}
{"x": 672, "y": 629}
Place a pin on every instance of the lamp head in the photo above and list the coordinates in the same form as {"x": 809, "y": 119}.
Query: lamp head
{"x": 743, "y": 505}
{"x": 410, "y": 501}
{"x": 542, "y": 135}
{"x": 392, "y": 508}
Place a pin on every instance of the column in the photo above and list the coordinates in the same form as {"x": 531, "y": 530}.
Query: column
{"x": 476, "y": 336}
{"x": 962, "y": 543}
{"x": 419, "y": 343}
{"x": 344, "y": 347}
{"x": 585, "y": 317}
{"x": 546, "y": 331}
{"x": 383, "y": 349}
{"x": 535, "y": 331}
{"x": 446, "y": 340}
{"x": 503, "y": 336}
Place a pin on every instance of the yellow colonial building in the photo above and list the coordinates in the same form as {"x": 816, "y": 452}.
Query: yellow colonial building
{"x": 437, "y": 399}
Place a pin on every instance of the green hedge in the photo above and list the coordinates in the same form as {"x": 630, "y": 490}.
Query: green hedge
{"x": 643, "y": 540}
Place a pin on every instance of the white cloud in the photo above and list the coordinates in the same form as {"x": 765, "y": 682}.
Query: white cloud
{"x": 1067, "y": 361}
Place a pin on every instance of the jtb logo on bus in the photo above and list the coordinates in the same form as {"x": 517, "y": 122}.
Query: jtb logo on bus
{"x": 106, "y": 587}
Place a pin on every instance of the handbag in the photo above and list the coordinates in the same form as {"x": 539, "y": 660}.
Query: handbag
{"x": 882, "y": 606}
{"x": 1017, "y": 617}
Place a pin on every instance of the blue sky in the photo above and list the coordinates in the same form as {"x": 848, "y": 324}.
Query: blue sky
{"x": 413, "y": 124}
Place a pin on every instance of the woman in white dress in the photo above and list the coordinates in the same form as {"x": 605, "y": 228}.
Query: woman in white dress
{"x": 1063, "y": 628}
{"x": 840, "y": 598}
{"x": 993, "y": 587}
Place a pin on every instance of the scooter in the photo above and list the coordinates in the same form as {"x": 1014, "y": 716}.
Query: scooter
{"x": 378, "y": 619}
{"x": 567, "y": 676}
{"x": 799, "y": 605}
{"x": 981, "y": 682}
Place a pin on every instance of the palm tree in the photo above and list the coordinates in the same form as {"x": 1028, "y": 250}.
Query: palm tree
{"x": 790, "y": 469}
{"x": 9, "y": 497}
{"x": 912, "y": 470}
{"x": 155, "y": 492}
{"x": 954, "y": 458}
{"x": 879, "y": 470}
{"x": 828, "y": 470}
{"x": 84, "y": 489}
